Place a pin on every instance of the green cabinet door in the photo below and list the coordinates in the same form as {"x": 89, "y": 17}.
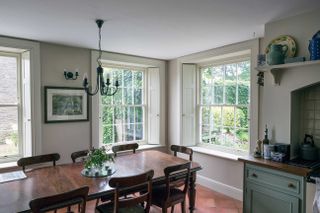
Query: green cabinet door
{"x": 260, "y": 199}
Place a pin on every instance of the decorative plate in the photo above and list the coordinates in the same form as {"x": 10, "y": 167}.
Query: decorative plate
{"x": 284, "y": 40}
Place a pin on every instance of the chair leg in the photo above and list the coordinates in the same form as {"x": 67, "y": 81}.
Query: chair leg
{"x": 97, "y": 202}
{"x": 183, "y": 207}
{"x": 172, "y": 209}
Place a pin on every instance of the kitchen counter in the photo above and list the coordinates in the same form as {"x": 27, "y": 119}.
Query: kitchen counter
{"x": 276, "y": 165}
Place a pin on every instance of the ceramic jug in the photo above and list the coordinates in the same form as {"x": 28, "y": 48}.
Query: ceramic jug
{"x": 277, "y": 54}
{"x": 314, "y": 47}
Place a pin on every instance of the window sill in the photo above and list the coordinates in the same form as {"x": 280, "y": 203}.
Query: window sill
{"x": 215, "y": 153}
{"x": 150, "y": 146}
{"x": 8, "y": 166}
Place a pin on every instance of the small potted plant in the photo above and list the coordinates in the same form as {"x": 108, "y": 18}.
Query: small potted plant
{"x": 97, "y": 158}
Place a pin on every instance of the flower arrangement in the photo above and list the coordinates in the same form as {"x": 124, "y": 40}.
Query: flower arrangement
{"x": 97, "y": 157}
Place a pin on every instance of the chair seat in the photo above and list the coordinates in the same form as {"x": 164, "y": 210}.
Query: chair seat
{"x": 108, "y": 208}
{"x": 158, "y": 195}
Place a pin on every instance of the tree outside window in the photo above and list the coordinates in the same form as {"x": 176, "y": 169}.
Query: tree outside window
{"x": 224, "y": 105}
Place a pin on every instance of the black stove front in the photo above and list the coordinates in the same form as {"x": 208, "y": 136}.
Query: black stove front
{"x": 304, "y": 163}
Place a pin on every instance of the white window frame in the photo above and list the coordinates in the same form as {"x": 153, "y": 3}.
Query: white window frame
{"x": 238, "y": 59}
{"x": 135, "y": 61}
{"x": 144, "y": 104}
{"x": 19, "y": 108}
{"x": 218, "y": 54}
{"x": 16, "y": 45}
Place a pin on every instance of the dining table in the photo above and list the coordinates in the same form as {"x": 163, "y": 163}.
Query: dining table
{"x": 46, "y": 181}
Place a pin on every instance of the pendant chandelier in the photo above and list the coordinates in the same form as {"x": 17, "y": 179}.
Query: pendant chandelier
{"x": 105, "y": 87}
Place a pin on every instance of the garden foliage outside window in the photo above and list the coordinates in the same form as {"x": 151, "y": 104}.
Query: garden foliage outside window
{"x": 224, "y": 105}
{"x": 123, "y": 115}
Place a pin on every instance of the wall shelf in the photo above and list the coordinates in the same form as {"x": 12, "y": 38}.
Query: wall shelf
{"x": 276, "y": 70}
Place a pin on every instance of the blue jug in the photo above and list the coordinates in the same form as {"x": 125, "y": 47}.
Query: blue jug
{"x": 314, "y": 47}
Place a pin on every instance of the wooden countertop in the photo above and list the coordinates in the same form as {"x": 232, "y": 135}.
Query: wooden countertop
{"x": 276, "y": 165}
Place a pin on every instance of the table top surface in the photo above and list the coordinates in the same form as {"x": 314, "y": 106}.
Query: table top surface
{"x": 16, "y": 195}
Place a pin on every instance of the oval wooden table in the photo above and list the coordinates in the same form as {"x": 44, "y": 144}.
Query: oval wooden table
{"x": 16, "y": 195}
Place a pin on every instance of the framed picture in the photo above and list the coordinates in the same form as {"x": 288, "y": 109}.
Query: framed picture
{"x": 65, "y": 104}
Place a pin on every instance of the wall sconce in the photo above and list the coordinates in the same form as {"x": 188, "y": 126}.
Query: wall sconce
{"x": 68, "y": 75}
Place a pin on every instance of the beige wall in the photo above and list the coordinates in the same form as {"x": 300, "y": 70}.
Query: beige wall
{"x": 63, "y": 138}
{"x": 275, "y": 101}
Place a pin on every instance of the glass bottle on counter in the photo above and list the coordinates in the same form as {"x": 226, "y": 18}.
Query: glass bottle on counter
{"x": 266, "y": 150}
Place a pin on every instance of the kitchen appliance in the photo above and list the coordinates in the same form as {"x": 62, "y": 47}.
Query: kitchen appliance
{"x": 308, "y": 151}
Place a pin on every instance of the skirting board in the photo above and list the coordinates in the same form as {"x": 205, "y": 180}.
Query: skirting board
{"x": 220, "y": 187}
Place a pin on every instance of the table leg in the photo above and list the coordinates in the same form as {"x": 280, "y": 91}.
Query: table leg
{"x": 192, "y": 192}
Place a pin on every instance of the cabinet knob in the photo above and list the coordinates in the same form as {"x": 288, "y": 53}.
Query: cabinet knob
{"x": 291, "y": 185}
{"x": 254, "y": 175}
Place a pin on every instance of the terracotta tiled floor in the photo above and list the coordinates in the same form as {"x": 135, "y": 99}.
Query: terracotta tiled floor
{"x": 207, "y": 201}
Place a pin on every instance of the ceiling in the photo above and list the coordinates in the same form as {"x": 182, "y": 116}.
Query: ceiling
{"x": 163, "y": 29}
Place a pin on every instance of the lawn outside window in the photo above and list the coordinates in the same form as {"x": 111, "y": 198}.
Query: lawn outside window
{"x": 224, "y": 105}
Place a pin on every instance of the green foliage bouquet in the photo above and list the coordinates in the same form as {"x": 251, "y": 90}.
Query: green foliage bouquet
{"x": 97, "y": 157}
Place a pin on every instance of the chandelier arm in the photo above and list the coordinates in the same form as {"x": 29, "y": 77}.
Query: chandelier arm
{"x": 114, "y": 92}
{"x": 96, "y": 89}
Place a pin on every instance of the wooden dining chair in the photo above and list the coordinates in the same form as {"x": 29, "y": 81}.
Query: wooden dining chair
{"x": 59, "y": 201}
{"x": 27, "y": 161}
{"x": 168, "y": 195}
{"x": 79, "y": 154}
{"x": 125, "y": 147}
{"x": 182, "y": 149}
{"x": 122, "y": 204}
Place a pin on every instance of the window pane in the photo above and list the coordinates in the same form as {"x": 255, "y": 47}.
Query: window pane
{"x": 217, "y": 74}
{"x": 117, "y": 98}
{"x": 218, "y": 93}
{"x": 206, "y": 77}
{"x": 129, "y": 132}
{"x": 217, "y": 136}
{"x": 139, "y": 132}
{"x": 243, "y": 93}
{"x": 138, "y": 79}
{"x": 242, "y": 139}
{"x": 118, "y": 133}
{"x": 230, "y": 95}
{"x": 138, "y": 96}
{"x": 9, "y": 136}
{"x": 139, "y": 114}
{"x": 127, "y": 78}
{"x": 244, "y": 71}
{"x": 231, "y": 72}
{"x": 228, "y": 116}
{"x": 229, "y": 137}
{"x": 129, "y": 115}
{"x": 107, "y": 134}
{"x": 118, "y": 115}
{"x": 117, "y": 75}
{"x": 205, "y": 133}
{"x": 242, "y": 117}
{"x": 206, "y": 95}
{"x": 205, "y": 114}
{"x": 106, "y": 100}
{"x": 216, "y": 116}
{"x": 107, "y": 115}
{"x": 8, "y": 86}
{"x": 128, "y": 96}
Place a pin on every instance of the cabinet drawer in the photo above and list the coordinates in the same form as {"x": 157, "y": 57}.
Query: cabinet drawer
{"x": 280, "y": 181}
